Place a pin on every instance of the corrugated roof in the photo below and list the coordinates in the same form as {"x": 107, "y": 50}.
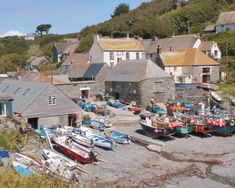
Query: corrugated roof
{"x": 175, "y": 42}
{"x": 136, "y": 71}
{"x": 93, "y": 70}
{"x": 121, "y": 44}
{"x": 23, "y": 93}
{"x": 5, "y": 97}
{"x": 186, "y": 57}
{"x": 226, "y": 18}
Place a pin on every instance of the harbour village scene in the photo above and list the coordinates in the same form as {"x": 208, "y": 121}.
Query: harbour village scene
{"x": 142, "y": 97}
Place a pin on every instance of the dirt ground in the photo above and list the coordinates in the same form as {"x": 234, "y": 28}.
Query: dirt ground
{"x": 195, "y": 161}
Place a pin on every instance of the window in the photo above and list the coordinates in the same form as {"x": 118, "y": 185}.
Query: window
{"x": 206, "y": 70}
{"x": 111, "y": 56}
{"x": 18, "y": 88}
{"x": 143, "y": 55}
{"x": 137, "y": 55}
{"x": 52, "y": 100}
{"x": 111, "y": 64}
{"x": 127, "y": 55}
{"x": 175, "y": 68}
{"x": 216, "y": 53}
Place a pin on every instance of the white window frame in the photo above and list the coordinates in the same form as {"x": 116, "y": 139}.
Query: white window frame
{"x": 111, "y": 55}
{"x": 52, "y": 100}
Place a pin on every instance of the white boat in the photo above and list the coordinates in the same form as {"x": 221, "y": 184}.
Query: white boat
{"x": 27, "y": 159}
{"x": 97, "y": 139}
{"x": 82, "y": 140}
{"x": 61, "y": 169}
{"x": 215, "y": 96}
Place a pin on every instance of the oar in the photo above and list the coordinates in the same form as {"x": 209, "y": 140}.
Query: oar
{"x": 82, "y": 169}
{"x": 102, "y": 160}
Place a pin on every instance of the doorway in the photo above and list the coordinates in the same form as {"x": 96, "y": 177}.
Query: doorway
{"x": 85, "y": 93}
{"x": 33, "y": 122}
{"x": 206, "y": 78}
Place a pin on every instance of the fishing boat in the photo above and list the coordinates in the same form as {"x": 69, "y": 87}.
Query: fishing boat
{"x": 22, "y": 169}
{"x": 74, "y": 150}
{"x": 117, "y": 137}
{"x": 101, "y": 126}
{"x": 215, "y": 96}
{"x": 78, "y": 138}
{"x": 61, "y": 169}
{"x": 98, "y": 140}
{"x": 156, "y": 129}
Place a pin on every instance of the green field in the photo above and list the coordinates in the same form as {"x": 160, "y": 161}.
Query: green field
{"x": 227, "y": 88}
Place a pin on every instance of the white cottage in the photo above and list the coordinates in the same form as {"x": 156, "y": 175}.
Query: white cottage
{"x": 112, "y": 51}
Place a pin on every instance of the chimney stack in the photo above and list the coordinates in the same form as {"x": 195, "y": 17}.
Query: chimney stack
{"x": 158, "y": 50}
{"x": 96, "y": 37}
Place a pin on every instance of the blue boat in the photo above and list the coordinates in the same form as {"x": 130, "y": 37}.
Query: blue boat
{"x": 116, "y": 104}
{"x": 4, "y": 153}
{"x": 22, "y": 169}
{"x": 95, "y": 124}
{"x": 117, "y": 137}
{"x": 41, "y": 133}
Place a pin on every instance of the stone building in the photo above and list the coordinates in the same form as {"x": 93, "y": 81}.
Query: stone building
{"x": 190, "y": 66}
{"x": 225, "y": 21}
{"x": 86, "y": 80}
{"x": 139, "y": 81}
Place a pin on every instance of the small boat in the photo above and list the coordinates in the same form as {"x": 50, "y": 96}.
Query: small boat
{"x": 22, "y": 169}
{"x": 74, "y": 150}
{"x": 61, "y": 169}
{"x": 99, "y": 141}
{"x": 78, "y": 138}
{"x": 232, "y": 101}
{"x": 27, "y": 159}
{"x": 41, "y": 132}
{"x": 117, "y": 137}
{"x": 208, "y": 86}
{"x": 4, "y": 153}
{"x": 101, "y": 126}
{"x": 215, "y": 96}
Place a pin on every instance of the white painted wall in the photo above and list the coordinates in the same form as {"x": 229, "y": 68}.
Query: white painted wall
{"x": 96, "y": 54}
{"x": 197, "y": 43}
{"x": 213, "y": 51}
{"x": 178, "y": 71}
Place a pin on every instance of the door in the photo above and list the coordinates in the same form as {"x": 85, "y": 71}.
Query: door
{"x": 33, "y": 122}
{"x": 85, "y": 93}
{"x": 206, "y": 78}
{"x": 119, "y": 59}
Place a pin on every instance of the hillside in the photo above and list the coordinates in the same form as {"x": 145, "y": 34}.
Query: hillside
{"x": 156, "y": 18}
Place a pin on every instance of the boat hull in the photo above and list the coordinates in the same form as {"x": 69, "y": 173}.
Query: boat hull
{"x": 184, "y": 130}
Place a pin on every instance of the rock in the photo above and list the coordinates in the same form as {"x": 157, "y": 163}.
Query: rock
{"x": 154, "y": 148}
{"x": 149, "y": 165}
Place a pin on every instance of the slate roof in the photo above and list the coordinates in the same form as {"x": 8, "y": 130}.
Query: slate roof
{"x": 186, "y": 57}
{"x": 20, "y": 90}
{"x": 36, "y": 61}
{"x": 93, "y": 70}
{"x": 120, "y": 44}
{"x": 77, "y": 70}
{"x": 76, "y": 58}
{"x": 135, "y": 71}
{"x": 175, "y": 42}
{"x": 226, "y": 18}
{"x": 5, "y": 97}
{"x": 210, "y": 28}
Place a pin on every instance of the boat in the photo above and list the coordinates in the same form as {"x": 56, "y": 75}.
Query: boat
{"x": 215, "y": 96}
{"x": 61, "y": 169}
{"x": 22, "y": 169}
{"x": 78, "y": 138}
{"x": 154, "y": 131}
{"x": 4, "y": 153}
{"x": 117, "y": 137}
{"x": 101, "y": 126}
{"x": 27, "y": 159}
{"x": 232, "y": 101}
{"x": 99, "y": 141}
{"x": 208, "y": 86}
{"x": 74, "y": 150}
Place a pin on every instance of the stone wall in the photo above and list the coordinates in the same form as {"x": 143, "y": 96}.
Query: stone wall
{"x": 214, "y": 76}
{"x": 191, "y": 95}
{"x": 155, "y": 87}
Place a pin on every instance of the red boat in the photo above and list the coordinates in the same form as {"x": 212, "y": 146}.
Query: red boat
{"x": 74, "y": 150}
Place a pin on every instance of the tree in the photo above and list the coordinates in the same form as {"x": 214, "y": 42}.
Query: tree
{"x": 120, "y": 9}
{"x": 43, "y": 28}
